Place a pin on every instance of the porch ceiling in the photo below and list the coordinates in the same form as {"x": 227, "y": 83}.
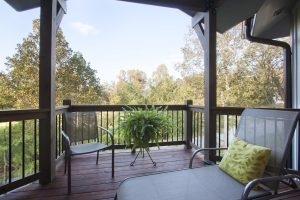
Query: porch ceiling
{"x": 229, "y": 12}
{"x": 232, "y": 12}
{"x": 273, "y": 20}
{"x": 270, "y": 14}
{"x": 22, "y": 5}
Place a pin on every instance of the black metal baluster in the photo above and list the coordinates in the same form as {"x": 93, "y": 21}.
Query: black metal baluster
{"x": 172, "y": 126}
{"x": 157, "y": 135}
{"x": 106, "y": 127}
{"x": 35, "y": 156}
{"x": 125, "y": 113}
{"x": 219, "y": 145}
{"x": 9, "y": 153}
{"x": 227, "y": 131}
{"x": 201, "y": 129}
{"x": 23, "y": 148}
{"x": 56, "y": 135}
{"x": 113, "y": 123}
{"x": 162, "y": 131}
{"x": 82, "y": 137}
{"x": 265, "y": 132}
{"x": 59, "y": 135}
{"x": 119, "y": 122}
{"x": 236, "y": 122}
{"x": 182, "y": 126}
{"x": 89, "y": 130}
{"x": 197, "y": 128}
{"x": 168, "y": 131}
{"x": 194, "y": 128}
{"x": 177, "y": 128}
{"x": 101, "y": 124}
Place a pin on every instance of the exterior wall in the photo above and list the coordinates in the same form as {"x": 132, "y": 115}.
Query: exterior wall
{"x": 296, "y": 74}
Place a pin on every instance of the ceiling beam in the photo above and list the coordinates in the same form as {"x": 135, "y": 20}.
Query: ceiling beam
{"x": 194, "y": 5}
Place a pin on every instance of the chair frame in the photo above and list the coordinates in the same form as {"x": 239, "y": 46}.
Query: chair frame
{"x": 251, "y": 185}
{"x": 68, "y": 154}
{"x": 269, "y": 179}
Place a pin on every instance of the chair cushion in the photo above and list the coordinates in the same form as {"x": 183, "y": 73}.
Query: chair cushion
{"x": 244, "y": 161}
{"x": 87, "y": 148}
{"x": 205, "y": 183}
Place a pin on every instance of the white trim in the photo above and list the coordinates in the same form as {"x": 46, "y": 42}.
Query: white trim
{"x": 295, "y": 33}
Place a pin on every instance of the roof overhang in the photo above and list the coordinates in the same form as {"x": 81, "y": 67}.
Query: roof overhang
{"x": 273, "y": 20}
{"x": 229, "y": 12}
{"x": 232, "y": 12}
{"x": 190, "y": 5}
{"x": 194, "y": 5}
{"x": 22, "y": 5}
{"x": 272, "y": 17}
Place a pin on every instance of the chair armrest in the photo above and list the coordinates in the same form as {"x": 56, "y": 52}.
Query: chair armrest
{"x": 254, "y": 182}
{"x": 109, "y": 133}
{"x": 203, "y": 149}
{"x": 66, "y": 140}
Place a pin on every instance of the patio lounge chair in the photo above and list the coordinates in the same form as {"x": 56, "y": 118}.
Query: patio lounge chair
{"x": 264, "y": 127}
{"x": 81, "y": 136}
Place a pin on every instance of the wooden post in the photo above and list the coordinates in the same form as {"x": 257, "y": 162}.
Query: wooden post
{"x": 47, "y": 137}
{"x": 188, "y": 118}
{"x": 205, "y": 27}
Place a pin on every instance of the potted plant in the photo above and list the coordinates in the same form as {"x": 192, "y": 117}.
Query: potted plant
{"x": 140, "y": 126}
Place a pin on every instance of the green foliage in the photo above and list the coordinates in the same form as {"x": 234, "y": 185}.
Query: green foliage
{"x": 17, "y": 150}
{"x": 75, "y": 79}
{"x": 130, "y": 88}
{"x": 140, "y": 126}
{"x": 161, "y": 87}
{"x": 248, "y": 74}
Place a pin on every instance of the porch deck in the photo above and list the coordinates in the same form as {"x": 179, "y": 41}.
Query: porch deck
{"x": 90, "y": 181}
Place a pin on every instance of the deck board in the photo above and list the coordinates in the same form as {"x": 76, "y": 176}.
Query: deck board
{"x": 91, "y": 181}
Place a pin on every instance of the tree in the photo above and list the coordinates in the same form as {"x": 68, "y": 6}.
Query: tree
{"x": 130, "y": 88}
{"x": 162, "y": 86}
{"x": 247, "y": 74}
{"x": 6, "y": 98}
{"x": 191, "y": 85}
{"x": 265, "y": 76}
{"x": 76, "y": 80}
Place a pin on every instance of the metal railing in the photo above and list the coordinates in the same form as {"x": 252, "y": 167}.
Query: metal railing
{"x": 58, "y": 129}
{"x": 19, "y": 147}
{"x": 110, "y": 117}
{"x": 197, "y": 126}
{"x": 227, "y": 121}
{"x": 19, "y": 134}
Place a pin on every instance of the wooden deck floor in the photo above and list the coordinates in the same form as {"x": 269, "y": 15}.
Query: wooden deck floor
{"x": 91, "y": 181}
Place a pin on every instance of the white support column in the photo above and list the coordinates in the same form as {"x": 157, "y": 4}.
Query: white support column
{"x": 295, "y": 33}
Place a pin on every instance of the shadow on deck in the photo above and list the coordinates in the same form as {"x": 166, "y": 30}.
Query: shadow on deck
{"x": 91, "y": 181}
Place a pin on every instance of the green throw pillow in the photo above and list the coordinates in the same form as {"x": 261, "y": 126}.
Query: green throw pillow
{"x": 244, "y": 161}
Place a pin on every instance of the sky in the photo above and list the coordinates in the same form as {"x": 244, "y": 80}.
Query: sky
{"x": 111, "y": 35}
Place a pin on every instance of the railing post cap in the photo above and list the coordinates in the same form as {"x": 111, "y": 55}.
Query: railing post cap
{"x": 67, "y": 102}
{"x": 188, "y": 102}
